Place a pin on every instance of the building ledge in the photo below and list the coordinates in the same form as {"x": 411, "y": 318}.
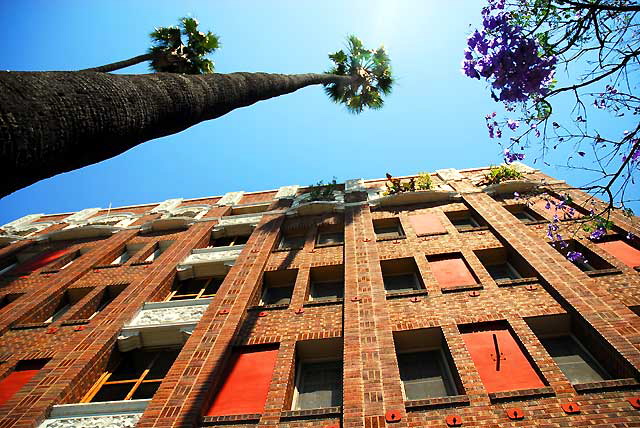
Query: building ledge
{"x": 520, "y": 394}
{"x": 210, "y": 261}
{"x": 251, "y": 418}
{"x": 311, "y": 413}
{"x": 95, "y": 415}
{"x": 410, "y": 198}
{"x": 429, "y": 403}
{"x": 606, "y": 385}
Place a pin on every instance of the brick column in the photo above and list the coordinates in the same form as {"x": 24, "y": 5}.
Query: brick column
{"x": 371, "y": 376}
{"x": 189, "y": 386}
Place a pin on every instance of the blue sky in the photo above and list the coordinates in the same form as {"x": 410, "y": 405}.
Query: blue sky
{"x": 434, "y": 118}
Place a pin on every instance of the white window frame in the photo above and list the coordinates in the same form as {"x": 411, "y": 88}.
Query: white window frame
{"x": 296, "y": 389}
{"x": 445, "y": 362}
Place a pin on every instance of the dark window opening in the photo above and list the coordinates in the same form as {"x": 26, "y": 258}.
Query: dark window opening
{"x": 400, "y": 275}
{"x": 388, "y": 228}
{"x": 277, "y": 287}
{"x": 291, "y": 242}
{"x": 318, "y": 374}
{"x": 195, "y": 288}
{"x": 132, "y": 375}
{"x": 464, "y": 220}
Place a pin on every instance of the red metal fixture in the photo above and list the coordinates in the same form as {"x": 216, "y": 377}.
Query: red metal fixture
{"x": 355, "y": 299}
{"x": 571, "y": 408}
{"x": 51, "y": 330}
{"x": 530, "y": 287}
{"x": 299, "y": 311}
{"x": 453, "y": 421}
{"x": 474, "y": 293}
{"x": 635, "y": 402}
{"x": 79, "y": 327}
{"x": 515, "y": 413}
{"x": 415, "y": 299}
{"x": 393, "y": 416}
{"x": 223, "y": 311}
{"x": 262, "y": 314}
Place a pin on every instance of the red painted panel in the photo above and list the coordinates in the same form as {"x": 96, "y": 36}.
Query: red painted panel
{"x": 18, "y": 378}
{"x": 40, "y": 260}
{"x": 514, "y": 371}
{"x": 247, "y": 383}
{"x": 451, "y": 272}
{"x": 426, "y": 224}
{"x": 622, "y": 251}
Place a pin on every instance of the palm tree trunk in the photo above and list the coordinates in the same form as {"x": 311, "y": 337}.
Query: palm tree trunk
{"x": 54, "y": 122}
{"x": 122, "y": 64}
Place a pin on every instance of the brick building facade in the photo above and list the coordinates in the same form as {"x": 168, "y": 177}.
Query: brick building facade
{"x": 445, "y": 307}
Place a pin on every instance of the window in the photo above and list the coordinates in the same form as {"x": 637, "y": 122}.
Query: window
{"x": 318, "y": 376}
{"x": 246, "y": 381}
{"x": 463, "y": 220}
{"x": 327, "y": 283}
{"x": 503, "y": 271}
{"x": 291, "y": 242}
{"x": 451, "y": 271}
{"x": 622, "y": 251}
{"x": 330, "y": 236}
{"x": 228, "y": 241}
{"x": 132, "y": 375}
{"x": 277, "y": 287}
{"x": 499, "y": 359}
{"x": 108, "y": 295}
{"x": 400, "y": 275}
{"x": 195, "y": 288}
{"x": 159, "y": 248}
{"x": 63, "y": 306}
{"x": 24, "y": 371}
{"x": 591, "y": 262}
{"x": 524, "y": 213}
{"x": 35, "y": 259}
{"x": 427, "y": 224}
{"x": 8, "y": 298}
{"x": 578, "y": 350}
{"x": 424, "y": 366}
{"x": 574, "y": 360}
{"x": 388, "y": 228}
{"x": 127, "y": 253}
{"x": 68, "y": 260}
{"x": 503, "y": 264}
{"x": 7, "y": 264}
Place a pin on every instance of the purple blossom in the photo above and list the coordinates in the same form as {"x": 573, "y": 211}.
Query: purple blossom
{"x": 513, "y": 124}
{"x": 630, "y": 236}
{"x": 597, "y": 234}
{"x": 548, "y": 205}
{"x": 507, "y": 58}
{"x": 576, "y": 257}
{"x": 512, "y": 157}
{"x": 516, "y": 195}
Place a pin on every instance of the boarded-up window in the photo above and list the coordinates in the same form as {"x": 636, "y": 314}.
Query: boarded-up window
{"x": 24, "y": 371}
{"x": 500, "y": 362}
{"x": 451, "y": 271}
{"x": 622, "y": 251}
{"x": 245, "y": 387}
{"x": 427, "y": 224}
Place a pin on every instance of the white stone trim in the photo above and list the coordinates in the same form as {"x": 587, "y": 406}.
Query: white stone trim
{"x": 287, "y": 192}
{"x": 354, "y": 185}
{"x": 167, "y": 205}
{"x": 449, "y": 174}
{"x": 21, "y": 222}
{"x": 231, "y": 198}
{"x": 107, "y": 414}
{"x": 81, "y": 215}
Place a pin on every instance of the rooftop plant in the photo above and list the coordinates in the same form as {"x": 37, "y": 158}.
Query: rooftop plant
{"x": 498, "y": 174}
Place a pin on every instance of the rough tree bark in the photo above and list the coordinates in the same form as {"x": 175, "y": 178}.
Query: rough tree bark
{"x": 54, "y": 122}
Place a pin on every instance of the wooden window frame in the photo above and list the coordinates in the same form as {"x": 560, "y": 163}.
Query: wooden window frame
{"x": 136, "y": 382}
{"x": 198, "y": 295}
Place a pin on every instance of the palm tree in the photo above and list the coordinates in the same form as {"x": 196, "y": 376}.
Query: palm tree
{"x": 169, "y": 54}
{"x": 53, "y": 122}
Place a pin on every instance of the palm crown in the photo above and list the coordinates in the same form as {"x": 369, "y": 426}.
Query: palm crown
{"x": 370, "y": 72}
{"x": 173, "y": 56}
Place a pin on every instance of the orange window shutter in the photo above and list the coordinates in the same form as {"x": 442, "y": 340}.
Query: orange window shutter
{"x": 17, "y": 379}
{"x": 426, "y": 224}
{"x": 512, "y": 372}
{"x": 622, "y": 251}
{"x": 245, "y": 388}
{"x": 451, "y": 272}
{"x": 41, "y": 260}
